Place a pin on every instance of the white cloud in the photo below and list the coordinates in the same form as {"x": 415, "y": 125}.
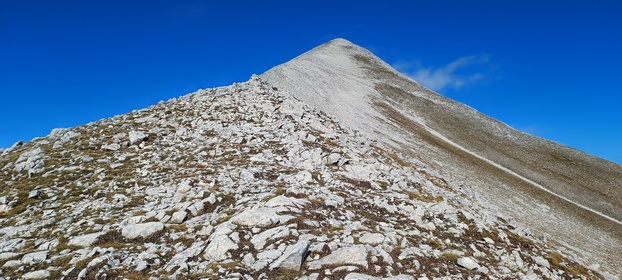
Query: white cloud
{"x": 453, "y": 75}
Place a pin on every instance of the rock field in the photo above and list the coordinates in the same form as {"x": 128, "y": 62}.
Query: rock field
{"x": 247, "y": 182}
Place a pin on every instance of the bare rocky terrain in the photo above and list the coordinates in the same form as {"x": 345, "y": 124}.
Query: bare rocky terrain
{"x": 316, "y": 169}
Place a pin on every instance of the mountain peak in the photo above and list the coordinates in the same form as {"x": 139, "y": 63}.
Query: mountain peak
{"x": 332, "y": 165}
{"x": 363, "y": 93}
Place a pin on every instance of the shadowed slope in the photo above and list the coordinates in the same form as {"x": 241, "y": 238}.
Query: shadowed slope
{"x": 507, "y": 168}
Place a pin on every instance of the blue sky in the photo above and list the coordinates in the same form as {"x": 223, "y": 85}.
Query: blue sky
{"x": 550, "y": 68}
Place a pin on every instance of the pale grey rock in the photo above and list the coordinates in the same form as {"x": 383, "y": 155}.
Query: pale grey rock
{"x": 293, "y": 257}
{"x": 260, "y": 240}
{"x": 371, "y": 238}
{"x": 31, "y": 161}
{"x": 206, "y": 230}
{"x": 218, "y": 248}
{"x": 483, "y": 269}
{"x": 141, "y": 265}
{"x": 97, "y": 261}
{"x": 282, "y": 200}
{"x": 333, "y": 158}
{"x": 12, "y": 263}
{"x": 467, "y": 263}
{"x": 12, "y": 244}
{"x": 34, "y": 194}
{"x": 531, "y": 275}
{"x": 144, "y": 230}
{"x": 248, "y": 259}
{"x": 7, "y": 256}
{"x": 354, "y": 255}
{"x": 86, "y": 240}
{"x": 360, "y": 276}
{"x": 4, "y": 200}
{"x": 136, "y": 137}
{"x": 184, "y": 187}
{"x": 178, "y": 217}
{"x": 260, "y": 217}
{"x": 63, "y": 135}
{"x": 111, "y": 147}
{"x": 35, "y": 257}
{"x": 541, "y": 261}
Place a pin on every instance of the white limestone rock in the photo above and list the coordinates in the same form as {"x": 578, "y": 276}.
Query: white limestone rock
{"x": 178, "y": 217}
{"x": 144, "y": 230}
{"x": 360, "y": 276}
{"x": 372, "y": 238}
{"x": 111, "y": 147}
{"x": 34, "y": 194}
{"x": 12, "y": 244}
{"x": 260, "y": 240}
{"x": 35, "y": 257}
{"x": 260, "y": 217}
{"x": 37, "y": 274}
{"x": 354, "y": 255}
{"x": 333, "y": 158}
{"x": 218, "y": 248}
{"x": 541, "y": 261}
{"x": 293, "y": 257}
{"x": 282, "y": 200}
{"x": 136, "y": 137}
{"x": 31, "y": 161}
{"x": 7, "y": 256}
{"x": 467, "y": 263}
{"x": 85, "y": 240}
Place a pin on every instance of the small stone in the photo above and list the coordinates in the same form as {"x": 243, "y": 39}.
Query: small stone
{"x": 137, "y": 137}
{"x": 467, "y": 263}
{"x": 34, "y": 194}
{"x": 178, "y": 217}
{"x": 542, "y": 262}
{"x": 111, "y": 147}
{"x": 333, "y": 158}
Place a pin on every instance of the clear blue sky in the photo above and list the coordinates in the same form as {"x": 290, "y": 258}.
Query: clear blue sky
{"x": 550, "y": 68}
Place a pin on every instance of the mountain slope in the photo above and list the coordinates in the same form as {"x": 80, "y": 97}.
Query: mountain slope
{"x": 498, "y": 162}
{"x": 253, "y": 181}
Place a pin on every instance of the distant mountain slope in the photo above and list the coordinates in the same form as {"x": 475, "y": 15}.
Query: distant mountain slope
{"x": 364, "y": 93}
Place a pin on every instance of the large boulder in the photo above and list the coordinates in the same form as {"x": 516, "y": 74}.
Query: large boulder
{"x": 354, "y": 255}
{"x": 293, "y": 257}
{"x": 144, "y": 230}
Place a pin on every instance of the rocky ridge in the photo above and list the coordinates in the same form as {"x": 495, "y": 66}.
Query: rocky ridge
{"x": 247, "y": 182}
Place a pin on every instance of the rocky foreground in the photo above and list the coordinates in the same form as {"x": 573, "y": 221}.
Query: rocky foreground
{"x": 246, "y": 182}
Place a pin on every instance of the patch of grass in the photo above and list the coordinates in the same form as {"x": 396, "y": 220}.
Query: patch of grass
{"x": 572, "y": 268}
{"x": 113, "y": 239}
{"x": 449, "y": 258}
{"x": 284, "y": 274}
{"x": 423, "y": 197}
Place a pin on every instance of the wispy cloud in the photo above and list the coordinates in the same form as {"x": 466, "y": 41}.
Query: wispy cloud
{"x": 457, "y": 74}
